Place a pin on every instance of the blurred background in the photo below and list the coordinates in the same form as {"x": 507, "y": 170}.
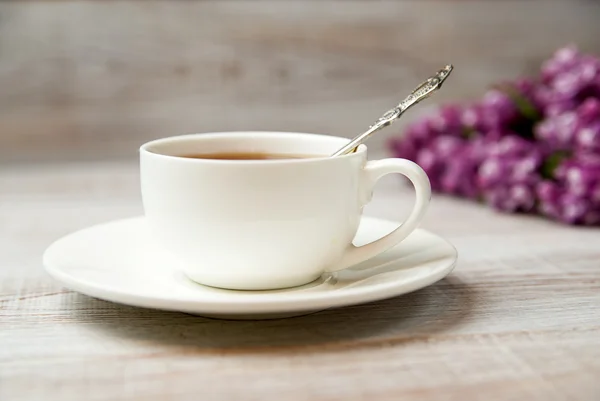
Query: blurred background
{"x": 92, "y": 80}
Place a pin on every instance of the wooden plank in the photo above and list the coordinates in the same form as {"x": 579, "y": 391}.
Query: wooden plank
{"x": 91, "y": 80}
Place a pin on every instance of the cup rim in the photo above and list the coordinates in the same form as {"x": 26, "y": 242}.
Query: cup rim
{"x": 144, "y": 148}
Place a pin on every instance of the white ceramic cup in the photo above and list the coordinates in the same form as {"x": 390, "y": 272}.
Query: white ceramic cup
{"x": 265, "y": 224}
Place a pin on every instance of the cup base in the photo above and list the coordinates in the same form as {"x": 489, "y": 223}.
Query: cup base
{"x": 252, "y": 284}
{"x": 260, "y": 316}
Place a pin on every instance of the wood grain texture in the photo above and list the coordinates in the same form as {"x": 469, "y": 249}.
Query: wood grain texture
{"x": 87, "y": 80}
{"x": 519, "y": 318}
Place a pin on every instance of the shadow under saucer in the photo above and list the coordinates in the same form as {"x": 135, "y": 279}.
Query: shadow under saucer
{"x": 421, "y": 314}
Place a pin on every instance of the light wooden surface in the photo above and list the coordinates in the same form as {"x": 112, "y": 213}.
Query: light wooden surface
{"x": 83, "y": 80}
{"x": 519, "y": 319}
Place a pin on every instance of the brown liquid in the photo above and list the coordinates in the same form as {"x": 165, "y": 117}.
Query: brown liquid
{"x": 245, "y": 156}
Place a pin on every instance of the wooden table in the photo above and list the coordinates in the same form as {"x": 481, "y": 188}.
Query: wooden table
{"x": 519, "y": 319}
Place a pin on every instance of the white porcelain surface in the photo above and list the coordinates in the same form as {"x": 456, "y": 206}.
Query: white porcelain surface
{"x": 265, "y": 224}
{"x": 116, "y": 262}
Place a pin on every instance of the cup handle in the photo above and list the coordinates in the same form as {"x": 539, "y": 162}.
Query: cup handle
{"x": 373, "y": 171}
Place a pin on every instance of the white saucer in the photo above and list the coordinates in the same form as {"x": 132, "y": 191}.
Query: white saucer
{"x": 114, "y": 262}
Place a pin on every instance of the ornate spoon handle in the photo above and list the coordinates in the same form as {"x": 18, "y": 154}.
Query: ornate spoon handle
{"x": 423, "y": 91}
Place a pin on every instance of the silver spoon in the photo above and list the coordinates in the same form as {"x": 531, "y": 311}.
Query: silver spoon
{"x": 421, "y": 92}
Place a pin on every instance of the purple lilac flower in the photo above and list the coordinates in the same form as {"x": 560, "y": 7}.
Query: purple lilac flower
{"x": 578, "y": 129}
{"x": 562, "y": 60}
{"x": 588, "y": 137}
{"x": 574, "y": 196}
{"x": 418, "y": 135}
{"x": 525, "y": 87}
{"x": 508, "y": 176}
{"x": 558, "y": 132}
{"x": 460, "y": 174}
{"x": 447, "y": 121}
{"x": 498, "y": 109}
{"x": 569, "y": 78}
{"x": 434, "y": 158}
{"x": 589, "y": 110}
{"x": 472, "y": 118}
{"x": 449, "y": 160}
{"x": 549, "y": 194}
{"x": 552, "y": 103}
{"x": 524, "y": 90}
{"x": 505, "y": 148}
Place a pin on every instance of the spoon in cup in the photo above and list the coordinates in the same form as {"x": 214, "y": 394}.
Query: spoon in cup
{"x": 423, "y": 91}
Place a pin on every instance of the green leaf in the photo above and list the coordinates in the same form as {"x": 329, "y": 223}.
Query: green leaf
{"x": 552, "y": 162}
{"x": 469, "y": 133}
{"x": 526, "y": 108}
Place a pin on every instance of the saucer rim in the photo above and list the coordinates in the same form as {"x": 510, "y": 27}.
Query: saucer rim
{"x": 249, "y": 302}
